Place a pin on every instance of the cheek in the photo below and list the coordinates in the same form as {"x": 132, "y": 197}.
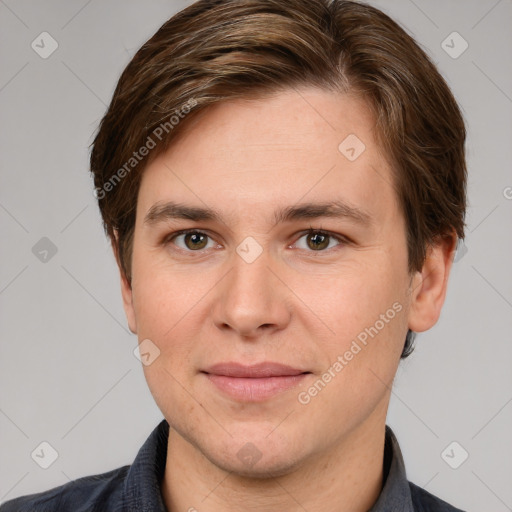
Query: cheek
{"x": 166, "y": 315}
{"x": 168, "y": 307}
{"x": 161, "y": 296}
{"x": 353, "y": 299}
{"x": 367, "y": 312}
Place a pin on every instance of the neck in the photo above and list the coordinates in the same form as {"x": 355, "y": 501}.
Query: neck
{"x": 349, "y": 478}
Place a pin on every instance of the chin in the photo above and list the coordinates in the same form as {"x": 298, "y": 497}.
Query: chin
{"x": 260, "y": 470}
{"x": 260, "y": 459}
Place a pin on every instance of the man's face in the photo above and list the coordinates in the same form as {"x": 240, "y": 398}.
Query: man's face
{"x": 244, "y": 289}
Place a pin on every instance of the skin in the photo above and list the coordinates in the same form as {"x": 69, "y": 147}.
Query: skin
{"x": 294, "y": 304}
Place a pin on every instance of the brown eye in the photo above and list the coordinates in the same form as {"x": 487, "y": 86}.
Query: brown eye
{"x": 317, "y": 241}
{"x": 195, "y": 241}
{"x": 191, "y": 241}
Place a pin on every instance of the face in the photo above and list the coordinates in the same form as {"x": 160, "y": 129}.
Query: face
{"x": 295, "y": 254}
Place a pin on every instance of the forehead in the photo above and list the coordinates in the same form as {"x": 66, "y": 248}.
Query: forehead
{"x": 292, "y": 121}
{"x": 300, "y": 144}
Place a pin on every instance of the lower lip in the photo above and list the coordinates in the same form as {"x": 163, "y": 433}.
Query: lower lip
{"x": 254, "y": 389}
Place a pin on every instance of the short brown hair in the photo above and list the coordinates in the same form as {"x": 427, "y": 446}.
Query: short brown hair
{"x": 217, "y": 50}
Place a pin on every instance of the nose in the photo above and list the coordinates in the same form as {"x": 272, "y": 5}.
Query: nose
{"x": 251, "y": 300}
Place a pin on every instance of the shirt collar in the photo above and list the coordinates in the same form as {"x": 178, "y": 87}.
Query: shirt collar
{"x": 396, "y": 493}
{"x": 142, "y": 484}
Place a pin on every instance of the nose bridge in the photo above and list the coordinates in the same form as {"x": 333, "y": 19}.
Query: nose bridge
{"x": 251, "y": 296}
{"x": 250, "y": 277}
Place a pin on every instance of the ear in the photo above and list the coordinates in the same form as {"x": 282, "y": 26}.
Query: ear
{"x": 428, "y": 287}
{"x": 126, "y": 289}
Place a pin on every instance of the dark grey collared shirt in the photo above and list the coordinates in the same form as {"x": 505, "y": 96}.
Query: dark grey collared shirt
{"x": 136, "y": 488}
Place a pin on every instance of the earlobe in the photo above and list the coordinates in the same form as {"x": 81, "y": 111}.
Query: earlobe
{"x": 428, "y": 287}
{"x": 126, "y": 290}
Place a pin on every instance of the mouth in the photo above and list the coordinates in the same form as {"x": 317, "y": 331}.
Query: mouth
{"x": 254, "y": 383}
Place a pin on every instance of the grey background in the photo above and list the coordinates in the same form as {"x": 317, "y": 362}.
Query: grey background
{"x": 67, "y": 370}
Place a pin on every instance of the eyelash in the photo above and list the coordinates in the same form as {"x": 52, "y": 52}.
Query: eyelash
{"x": 339, "y": 238}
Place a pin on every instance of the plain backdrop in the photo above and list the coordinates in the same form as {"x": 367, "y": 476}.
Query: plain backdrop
{"x": 67, "y": 370}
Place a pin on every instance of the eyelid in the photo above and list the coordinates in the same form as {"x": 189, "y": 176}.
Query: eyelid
{"x": 169, "y": 238}
{"x": 341, "y": 239}
{"x": 174, "y": 234}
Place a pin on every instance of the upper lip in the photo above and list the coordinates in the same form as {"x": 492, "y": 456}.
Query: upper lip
{"x": 260, "y": 370}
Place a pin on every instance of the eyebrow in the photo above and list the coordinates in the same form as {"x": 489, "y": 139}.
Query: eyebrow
{"x": 161, "y": 212}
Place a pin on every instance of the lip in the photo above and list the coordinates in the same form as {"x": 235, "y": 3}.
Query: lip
{"x": 260, "y": 370}
{"x": 254, "y": 383}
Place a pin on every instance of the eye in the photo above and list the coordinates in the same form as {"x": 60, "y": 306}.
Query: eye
{"x": 191, "y": 240}
{"x": 319, "y": 241}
